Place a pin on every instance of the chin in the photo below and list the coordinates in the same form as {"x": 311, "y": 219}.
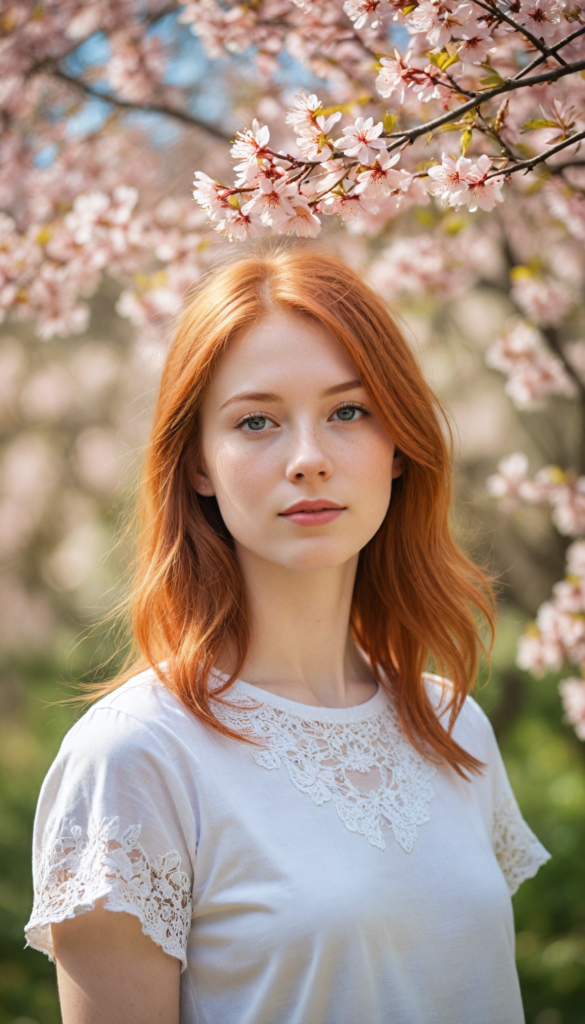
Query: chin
{"x": 309, "y": 557}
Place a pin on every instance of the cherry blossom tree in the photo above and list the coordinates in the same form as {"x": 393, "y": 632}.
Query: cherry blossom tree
{"x": 463, "y": 120}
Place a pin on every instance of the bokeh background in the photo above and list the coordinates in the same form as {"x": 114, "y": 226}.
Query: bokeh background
{"x": 75, "y": 412}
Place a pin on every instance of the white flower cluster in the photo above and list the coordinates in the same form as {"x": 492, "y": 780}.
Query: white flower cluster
{"x": 533, "y": 371}
{"x": 557, "y": 636}
{"x": 344, "y": 176}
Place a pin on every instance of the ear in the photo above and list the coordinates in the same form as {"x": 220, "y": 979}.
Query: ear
{"x": 397, "y": 463}
{"x": 200, "y": 479}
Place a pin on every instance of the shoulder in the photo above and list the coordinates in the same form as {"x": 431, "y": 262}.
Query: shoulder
{"x": 142, "y": 715}
{"x": 473, "y": 729}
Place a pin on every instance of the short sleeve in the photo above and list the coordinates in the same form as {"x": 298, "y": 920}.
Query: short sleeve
{"x": 113, "y": 822}
{"x": 518, "y": 851}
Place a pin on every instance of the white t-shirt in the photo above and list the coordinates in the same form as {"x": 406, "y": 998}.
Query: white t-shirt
{"x": 329, "y": 875}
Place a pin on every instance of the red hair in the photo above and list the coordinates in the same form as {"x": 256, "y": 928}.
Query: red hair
{"x": 416, "y": 594}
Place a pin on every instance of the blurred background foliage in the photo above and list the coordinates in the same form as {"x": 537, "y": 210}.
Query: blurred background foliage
{"x": 75, "y": 417}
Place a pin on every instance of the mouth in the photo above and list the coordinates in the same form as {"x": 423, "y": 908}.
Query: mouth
{"x": 313, "y": 512}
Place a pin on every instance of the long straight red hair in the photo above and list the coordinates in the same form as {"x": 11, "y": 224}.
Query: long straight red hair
{"x": 418, "y": 599}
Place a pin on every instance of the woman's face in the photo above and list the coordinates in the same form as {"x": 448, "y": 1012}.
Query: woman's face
{"x": 292, "y": 448}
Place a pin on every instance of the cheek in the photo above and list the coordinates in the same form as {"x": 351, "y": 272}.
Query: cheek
{"x": 240, "y": 476}
{"x": 369, "y": 467}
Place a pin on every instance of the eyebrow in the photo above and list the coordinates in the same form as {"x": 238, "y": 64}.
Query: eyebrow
{"x": 269, "y": 396}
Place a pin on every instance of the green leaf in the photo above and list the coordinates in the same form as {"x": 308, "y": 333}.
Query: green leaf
{"x": 443, "y": 59}
{"x": 537, "y": 122}
{"x": 452, "y": 60}
{"x": 492, "y": 80}
{"x": 344, "y": 108}
{"x": 493, "y": 77}
{"x": 388, "y": 120}
{"x": 466, "y": 138}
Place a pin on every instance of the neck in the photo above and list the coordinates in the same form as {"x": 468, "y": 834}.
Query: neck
{"x": 301, "y": 646}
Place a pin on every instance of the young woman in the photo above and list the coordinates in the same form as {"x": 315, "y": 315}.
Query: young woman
{"x": 276, "y": 816}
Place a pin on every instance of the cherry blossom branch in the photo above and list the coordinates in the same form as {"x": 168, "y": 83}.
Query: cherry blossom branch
{"x": 526, "y": 165}
{"x": 536, "y": 42}
{"x": 50, "y": 64}
{"x": 551, "y": 336}
{"x": 330, "y": 189}
{"x": 508, "y": 85}
{"x": 553, "y": 49}
{"x": 147, "y": 108}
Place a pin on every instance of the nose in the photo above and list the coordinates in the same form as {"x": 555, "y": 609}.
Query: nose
{"x": 308, "y": 460}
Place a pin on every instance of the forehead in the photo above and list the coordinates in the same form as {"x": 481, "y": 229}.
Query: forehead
{"x": 280, "y": 350}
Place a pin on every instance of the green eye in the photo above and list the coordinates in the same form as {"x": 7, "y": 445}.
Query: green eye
{"x": 256, "y": 423}
{"x": 347, "y": 414}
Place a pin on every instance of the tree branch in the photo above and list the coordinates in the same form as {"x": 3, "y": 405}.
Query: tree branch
{"x": 551, "y": 336}
{"x": 147, "y": 108}
{"x": 526, "y": 165}
{"x": 509, "y": 85}
{"x": 539, "y": 44}
{"x": 553, "y": 49}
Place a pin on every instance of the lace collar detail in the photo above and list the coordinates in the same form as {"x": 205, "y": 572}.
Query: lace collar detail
{"x": 357, "y": 757}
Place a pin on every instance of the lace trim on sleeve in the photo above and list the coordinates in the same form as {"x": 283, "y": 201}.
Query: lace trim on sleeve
{"x": 79, "y": 870}
{"x": 519, "y": 853}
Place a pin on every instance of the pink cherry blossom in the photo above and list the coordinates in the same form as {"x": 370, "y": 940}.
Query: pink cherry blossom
{"x": 542, "y": 299}
{"x": 304, "y": 223}
{"x": 541, "y": 16}
{"x": 533, "y": 371}
{"x": 210, "y": 196}
{"x": 504, "y": 485}
{"x": 271, "y": 203}
{"x": 349, "y": 205}
{"x": 568, "y": 596}
{"x": 362, "y": 12}
{"x": 302, "y": 115}
{"x": 250, "y": 143}
{"x": 576, "y": 558}
{"x": 572, "y": 691}
{"x": 438, "y": 20}
{"x": 559, "y": 637}
{"x": 533, "y": 656}
{"x": 481, "y": 192}
{"x": 541, "y": 489}
{"x": 137, "y": 63}
{"x": 238, "y": 225}
{"x": 381, "y": 176}
{"x": 361, "y": 139}
{"x": 568, "y": 207}
{"x": 420, "y": 265}
{"x": 449, "y": 179}
{"x": 568, "y": 501}
{"x": 476, "y": 42}
{"x": 250, "y": 149}
{"x": 400, "y": 76}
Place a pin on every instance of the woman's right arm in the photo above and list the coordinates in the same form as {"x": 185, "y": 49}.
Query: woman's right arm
{"x": 109, "y": 972}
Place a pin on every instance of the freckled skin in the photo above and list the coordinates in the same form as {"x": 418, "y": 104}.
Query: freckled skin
{"x": 261, "y": 455}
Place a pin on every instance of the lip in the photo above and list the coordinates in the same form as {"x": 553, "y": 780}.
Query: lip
{"x": 311, "y": 505}
{"x": 313, "y": 512}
